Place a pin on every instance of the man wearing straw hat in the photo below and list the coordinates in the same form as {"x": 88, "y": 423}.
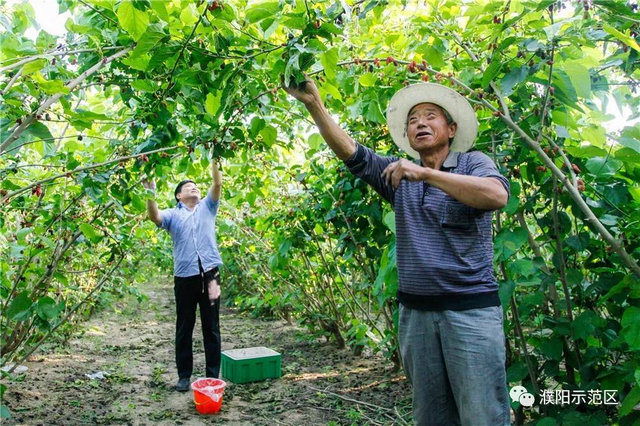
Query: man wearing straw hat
{"x": 450, "y": 323}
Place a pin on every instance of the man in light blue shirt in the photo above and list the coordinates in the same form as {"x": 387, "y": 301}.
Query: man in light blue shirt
{"x": 196, "y": 260}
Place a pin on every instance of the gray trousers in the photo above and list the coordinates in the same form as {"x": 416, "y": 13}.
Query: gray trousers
{"x": 455, "y": 361}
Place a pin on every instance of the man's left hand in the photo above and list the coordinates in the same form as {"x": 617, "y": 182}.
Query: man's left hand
{"x": 402, "y": 169}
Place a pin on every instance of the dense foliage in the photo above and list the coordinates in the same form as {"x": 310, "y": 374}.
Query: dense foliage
{"x": 155, "y": 88}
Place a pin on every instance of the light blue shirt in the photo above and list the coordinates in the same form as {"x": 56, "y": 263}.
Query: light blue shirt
{"x": 194, "y": 236}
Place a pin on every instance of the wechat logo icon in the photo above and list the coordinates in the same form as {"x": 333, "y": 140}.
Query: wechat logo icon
{"x": 521, "y": 395}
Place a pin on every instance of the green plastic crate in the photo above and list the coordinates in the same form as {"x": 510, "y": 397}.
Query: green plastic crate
{"x": 251, "y": 364}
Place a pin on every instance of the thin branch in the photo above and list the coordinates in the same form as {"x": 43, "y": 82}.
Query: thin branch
{"x": 54, "y": 98}
{"x": 82, "y": 169}
{"x": 27, "y": 59}
{"x": 375, "y": 407}
{"x": 71, "y": 312}
{"x": 12, "y": 81}
{"x": 98, "y": 12}
{"x": 66, "y": 127}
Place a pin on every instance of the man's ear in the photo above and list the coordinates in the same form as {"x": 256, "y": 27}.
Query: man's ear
{"x": 453, "y": 127}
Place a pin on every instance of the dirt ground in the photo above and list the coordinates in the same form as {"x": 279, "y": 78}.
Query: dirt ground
{"x": 133, "y": 343}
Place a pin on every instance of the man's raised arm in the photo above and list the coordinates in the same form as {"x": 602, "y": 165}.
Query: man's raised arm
{"x": 153, "y": 213}
{"x": 216, "y": 187}
{"x": 337, "y": 139}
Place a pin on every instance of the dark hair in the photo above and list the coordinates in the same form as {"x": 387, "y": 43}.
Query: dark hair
{"x": 179, "y": 187}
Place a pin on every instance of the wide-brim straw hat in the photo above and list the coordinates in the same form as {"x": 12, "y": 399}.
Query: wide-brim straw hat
{"x": 456, "y": 105}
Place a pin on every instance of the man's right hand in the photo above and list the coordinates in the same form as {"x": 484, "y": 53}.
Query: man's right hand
{"x": 337, "y": 139}
{"x": 306, "y": 92}
{"x": 149, "y": 184}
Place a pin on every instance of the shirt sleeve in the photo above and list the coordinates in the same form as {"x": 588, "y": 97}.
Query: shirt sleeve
{"x": 167, "y": 216}
{"x": 482, "y": 166}
{"x": 211, "y": 205}
{"x": 368, "y": 166}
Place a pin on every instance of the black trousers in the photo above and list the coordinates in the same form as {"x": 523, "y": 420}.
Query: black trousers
{"x": 189, "y": 292}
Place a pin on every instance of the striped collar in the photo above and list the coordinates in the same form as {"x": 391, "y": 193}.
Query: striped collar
{"x": 450, "y": 162}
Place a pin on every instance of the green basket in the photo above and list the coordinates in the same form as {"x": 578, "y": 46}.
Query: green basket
{"x": 251, "y": 364}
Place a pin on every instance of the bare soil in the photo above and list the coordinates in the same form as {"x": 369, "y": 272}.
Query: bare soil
{"x": 132, "y": 343}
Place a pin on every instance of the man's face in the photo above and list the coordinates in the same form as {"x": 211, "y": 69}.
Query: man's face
{"x": 188, "y": 190}
{"x": 427, "y": 127}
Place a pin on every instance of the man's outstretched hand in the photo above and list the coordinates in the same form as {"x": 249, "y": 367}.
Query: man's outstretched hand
{"x": 149, "y": 183}
{"x": 306, "y": 92}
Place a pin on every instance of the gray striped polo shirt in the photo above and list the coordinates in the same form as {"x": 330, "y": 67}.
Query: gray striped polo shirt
{"x": 444, "y": 248}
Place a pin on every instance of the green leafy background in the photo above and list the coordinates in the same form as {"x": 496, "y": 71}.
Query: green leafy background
{"x": 154, "y": 88}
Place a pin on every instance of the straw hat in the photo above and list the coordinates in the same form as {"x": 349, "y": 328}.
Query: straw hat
{"x": 455, "y": 104}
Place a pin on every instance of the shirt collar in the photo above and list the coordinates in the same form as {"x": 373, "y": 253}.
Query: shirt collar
{"x": 181, "y": 205}
{"x": 449, "y": 163}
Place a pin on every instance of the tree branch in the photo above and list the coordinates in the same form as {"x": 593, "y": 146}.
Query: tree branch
{"x": 81, "y": 169}
{"x": 54, "y": 98}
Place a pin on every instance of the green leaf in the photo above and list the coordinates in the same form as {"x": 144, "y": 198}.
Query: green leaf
{"x": 148, "y": 41}
{"x": 33, "y": 66}
{"x": 489, "y": 74}
{"x": 50, "y": 87}
{"x": 514, "y": 77}
{"x": 578, "y": 242}
{"x": 144, "y": 85}
{"x": 189, "y": 15}
{"x": 628, "y": 40}
{"x": 583, "y": 325}
{"x": 47, "y": 308}
{"x": 260, "y": 11}
{"x": 564, "y": 90}
{"x": 505, "y": 290}
{"x": 367, "y": 79}
{"x": 212, "y": 103}
{"x": 508, "y": 242}
{"x": 132, "y": 20}
{"x": 90, "y": 232}
{"x": 552, "y": 348}
{"x": 603, "y": 166}
{"x": 4, "y": 412}
{"x": 517, "y": 372}
{"x": 315, "y": 141}
{"x": 20, "y": 307}
{"x": 329, "y": 60}
{"x": 257, "y": 124}
{"x": 631, "y": 327}
{"x": 630, "y": 401}
{"x": 269, "y": 135}
{"x": 139, "y": 63}
{"x": 432, "y": 56}
{"x": 523, "y": 267}
{"x": 580, "y": 78}
{"x": 159, "y": 7}
{"x": 331, "y": 90}
{"x": 389, "y": 220}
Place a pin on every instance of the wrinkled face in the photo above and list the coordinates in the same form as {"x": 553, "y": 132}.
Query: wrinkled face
{"x": 427, "y": 127}
{"x": 188, "y": 190}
